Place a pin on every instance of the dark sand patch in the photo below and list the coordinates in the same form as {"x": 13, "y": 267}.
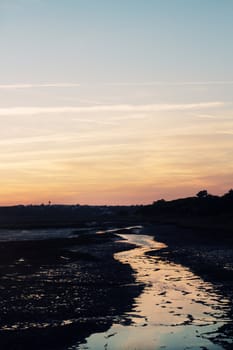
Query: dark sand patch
{"x": 56, "y": 292}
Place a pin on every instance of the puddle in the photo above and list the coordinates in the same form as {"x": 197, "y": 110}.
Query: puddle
{"x": 177, "y": 309}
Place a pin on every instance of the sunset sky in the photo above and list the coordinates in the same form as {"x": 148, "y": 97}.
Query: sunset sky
{"x": 115, "y": 102}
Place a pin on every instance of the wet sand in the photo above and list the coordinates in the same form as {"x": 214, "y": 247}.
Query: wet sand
{"x": 176, "y": 310}
{"x": 207, "y": 254}
{"x": 55, "y": 292}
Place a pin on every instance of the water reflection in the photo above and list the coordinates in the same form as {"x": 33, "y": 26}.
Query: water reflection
{"x": 177, "y": 310}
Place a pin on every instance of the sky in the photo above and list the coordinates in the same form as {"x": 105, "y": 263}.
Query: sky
{"x": 115, "y": 102}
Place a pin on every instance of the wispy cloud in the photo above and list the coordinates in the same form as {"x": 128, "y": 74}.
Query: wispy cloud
{"x": 129, "y": 84}
{"x": 171, "y": 83}
{"x": 206, "y": 116}
{"x": 33, "y": 86}
{"x": 216, "y": 117}
{"x": 128, "y": 108}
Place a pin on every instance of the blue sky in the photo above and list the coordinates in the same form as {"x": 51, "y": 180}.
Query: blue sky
{"x": 108, "y": 41}
{"x": 137, "y": 92}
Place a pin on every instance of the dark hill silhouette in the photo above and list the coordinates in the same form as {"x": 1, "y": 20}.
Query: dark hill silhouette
{"x": 204, "y": 211}
{"x": 43, "y": 216}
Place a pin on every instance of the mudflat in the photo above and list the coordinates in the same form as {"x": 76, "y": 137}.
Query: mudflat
{"x": 209, "y": 254}
{"x": 55, "y": 292}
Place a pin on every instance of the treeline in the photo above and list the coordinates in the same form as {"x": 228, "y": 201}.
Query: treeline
{"x": 203, "y": 204}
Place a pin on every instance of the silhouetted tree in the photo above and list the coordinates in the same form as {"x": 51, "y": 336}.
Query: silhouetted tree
{"x": 229, "y": 194}
{"x": 159, "y": 201}
{"x": 202, "y": 194}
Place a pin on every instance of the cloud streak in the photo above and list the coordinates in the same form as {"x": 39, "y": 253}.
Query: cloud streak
{"x": 36, "y": 86}
{"x": 172, "y": 83}
{"x": 129, "y": 84}
{"x": 128, "y": 108}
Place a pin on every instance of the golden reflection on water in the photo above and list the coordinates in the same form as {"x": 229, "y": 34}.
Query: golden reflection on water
{"x": 176, "y": 309}
{"x": 174, "y": 291}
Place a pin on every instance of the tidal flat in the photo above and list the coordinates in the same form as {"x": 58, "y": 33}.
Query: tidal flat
{"x": 127, "y": 288}
{"x": 55, "y": 292}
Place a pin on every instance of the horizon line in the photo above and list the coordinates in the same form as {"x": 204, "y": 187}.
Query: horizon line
{"x": 50, "y": 203}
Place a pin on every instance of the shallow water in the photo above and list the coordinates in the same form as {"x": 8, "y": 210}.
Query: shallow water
{"x": 53, "y": 233}
{"x": 177, "y": 309}
{"x": 39, "y": 234}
